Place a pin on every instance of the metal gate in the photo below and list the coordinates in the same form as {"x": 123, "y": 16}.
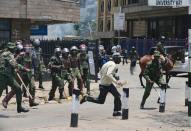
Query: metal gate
{"x": 48, "y": 47}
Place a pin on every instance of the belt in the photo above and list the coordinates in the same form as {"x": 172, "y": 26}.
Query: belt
{"x": 107, "y": 85}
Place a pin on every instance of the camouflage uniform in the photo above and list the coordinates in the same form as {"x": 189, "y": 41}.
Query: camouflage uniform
{"x": 26, "y": 61}
{"x": 74, "y": 60}
{"x": 66, "y": 72}
{"x": 160, "y": 45}
{"x": 8, "y": 76}
{"x": 133, "y": 57}
{"x": 153, "y": 72}
{"x": 55, "y": 66}
{"x": 160, "y": 48}
{"x": 38, "y": 62}
{"x": 84, "y": 69}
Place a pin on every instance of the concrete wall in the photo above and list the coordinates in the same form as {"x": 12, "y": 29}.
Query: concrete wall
{"x": 57, "y": 10}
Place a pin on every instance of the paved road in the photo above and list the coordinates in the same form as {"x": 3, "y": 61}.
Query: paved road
{"x": 56, "y": 117}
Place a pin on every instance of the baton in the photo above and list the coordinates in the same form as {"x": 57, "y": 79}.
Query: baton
{"x": 24, "y": 86}
{"x": 64, "y": 90}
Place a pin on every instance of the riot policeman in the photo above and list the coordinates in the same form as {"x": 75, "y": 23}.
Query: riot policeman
{"x": 74, "y": 60}
{"x": 84, "y": 67}
{"x": 66, "y": 70}
{"x": 8, "y": 66}
{"x": 160, "y": 45}
{"x": 38, "y": 62}
{"x": 55, "y": 65}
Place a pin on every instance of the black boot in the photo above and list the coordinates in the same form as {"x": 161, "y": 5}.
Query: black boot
{"x": 41, "y": 87}
{"x": 21, "y": 109}
{"x": 32, "y": 103}
{"x": 50, "y": 98}
{"x": 116, "y": 113}
{"x": 62, "y": 97}
{"x": 84, "y": 99}
{"x": 141, "y": 106}
{"x": 70, "y": 91}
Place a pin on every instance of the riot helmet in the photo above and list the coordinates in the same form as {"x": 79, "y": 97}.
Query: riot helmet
{"x": 65, "y": 52}
{"x": 74, "y": 49}
{"x": 19, "y": 42}
{"x": 36, "y": 43}
{"x": 83, "y": 48}
{"x": 162, "y": 39}
{"x": 57, "y": 50}
{"x": 116, "y": 57}
{"x": 19, "y": 47}
{"x": 28, "y": 48}
{"x": 133, "y": 48}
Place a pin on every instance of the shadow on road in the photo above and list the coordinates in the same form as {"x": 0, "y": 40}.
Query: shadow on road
{"x": 152, "y": 108}
{"x": 175, "y": 118}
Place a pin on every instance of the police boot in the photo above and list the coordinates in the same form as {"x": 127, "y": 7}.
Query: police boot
{"x": 21, "y": 109}
{"x": 88, "y": 88}
{"x": 62, "y": 96}
{"x": 70, "y": 91}
{"x": 41, "y": 87}
{"x": 7, "y": 98}
{"x": 50, "y": 98}
{"x": 141, "y": 106}
{"x": 32, "y": 103}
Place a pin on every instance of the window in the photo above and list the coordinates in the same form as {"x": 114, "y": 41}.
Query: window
{"x": 124, "y": 2}
{"x": 116, "y": 3}
{"x": 133, "y": 1}
{"x": 102, "y": 6}
{"x": 5, "y": 29}
{"x": 108, "y": 25}
{"x": 4, "y": 24}
{"x": 101, "y": 26}
{"x": 109, "y": 5}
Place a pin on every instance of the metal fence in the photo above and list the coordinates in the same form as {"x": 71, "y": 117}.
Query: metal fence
{"x": 143, "y": 46}
{"x": 48, "y": 47}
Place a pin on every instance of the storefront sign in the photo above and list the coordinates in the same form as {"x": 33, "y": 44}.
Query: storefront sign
{"x": 119, "y": 21}
{"x": 179, "y": 3}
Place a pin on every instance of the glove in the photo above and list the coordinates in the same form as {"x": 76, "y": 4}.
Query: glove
{"x": 16, "y": 70}
{"x": 119, "y": 83}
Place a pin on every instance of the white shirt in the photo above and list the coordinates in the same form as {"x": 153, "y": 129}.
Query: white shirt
{"x": 107, "y": 72}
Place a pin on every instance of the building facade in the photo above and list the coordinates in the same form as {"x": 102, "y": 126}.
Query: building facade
{"x": 141, "y": 20}
{"x": 17, "y": 16}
